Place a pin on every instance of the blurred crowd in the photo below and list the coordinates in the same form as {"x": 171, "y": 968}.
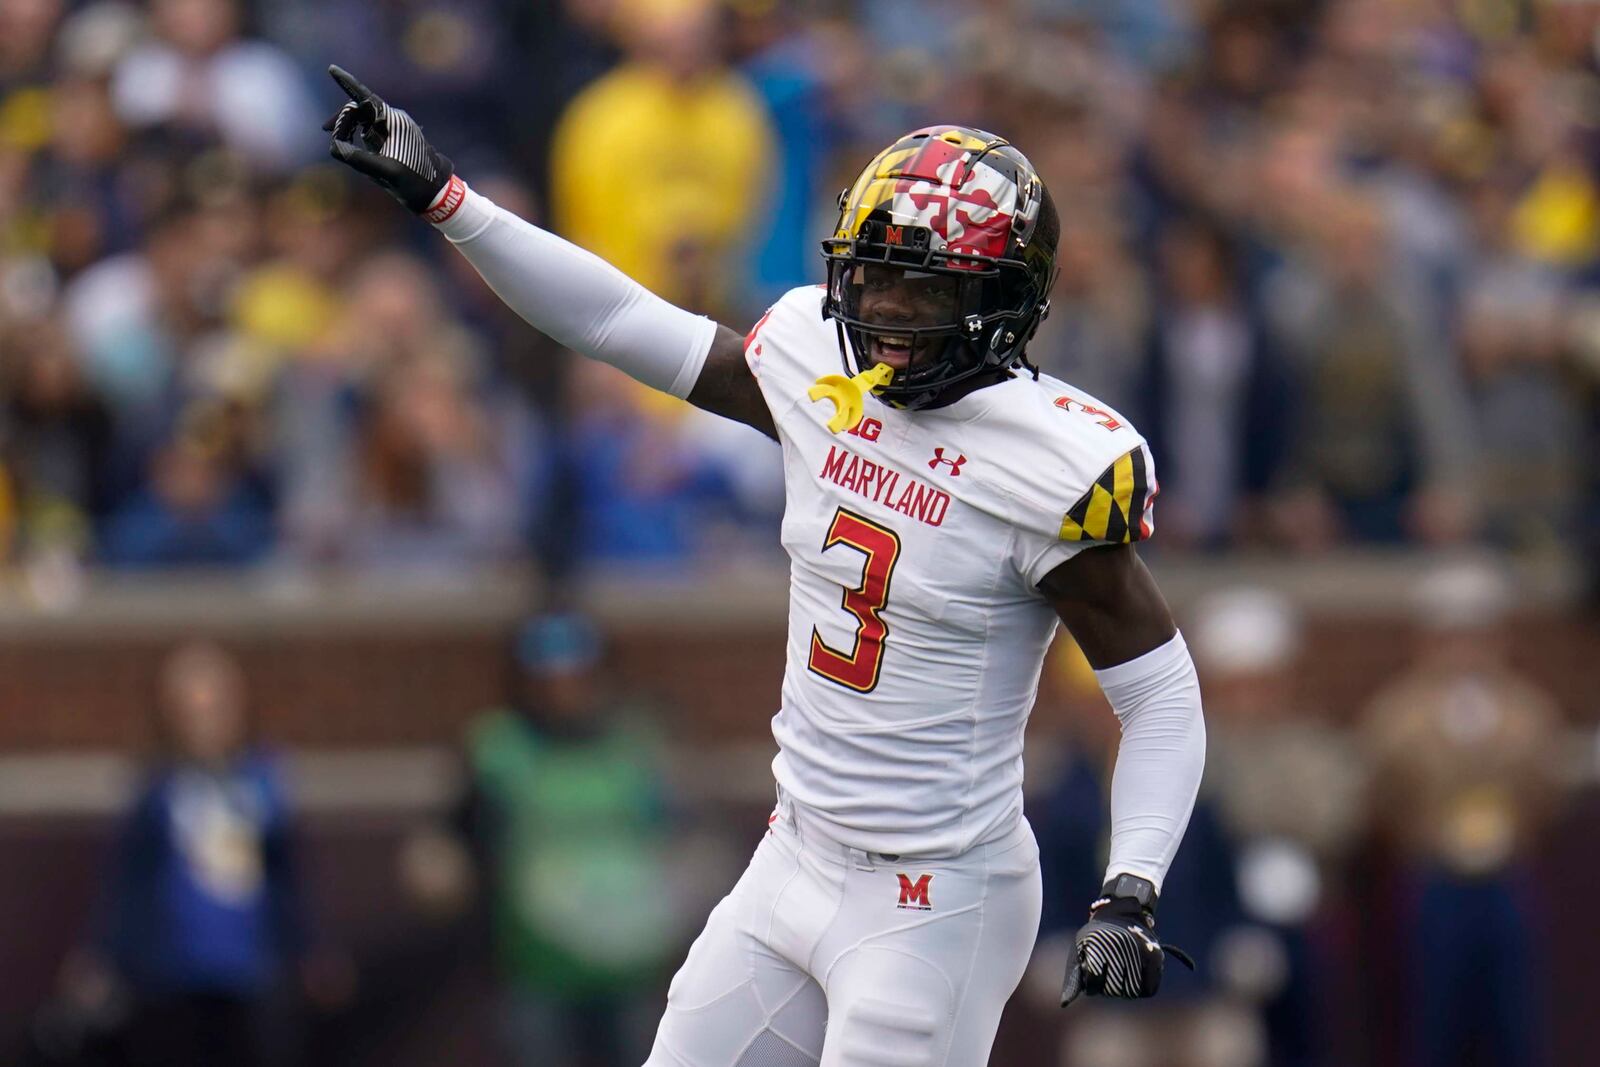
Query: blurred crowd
{"x": 1359, "y": 885}
{"x": 550, "y": 868}
{"x": 1339, "y": 260}
{"x": 1336, "y": 259}
{"x": 1361, "y": 891}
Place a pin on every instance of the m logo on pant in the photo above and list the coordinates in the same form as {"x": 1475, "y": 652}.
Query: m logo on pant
{"x": 915, "y": 894}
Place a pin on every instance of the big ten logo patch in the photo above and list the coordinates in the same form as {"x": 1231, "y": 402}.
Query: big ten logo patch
{"x": 867, "y": 429}
{"x": 914, "y": 895}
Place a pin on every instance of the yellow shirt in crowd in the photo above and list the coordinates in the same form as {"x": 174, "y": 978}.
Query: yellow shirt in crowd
{"x": 645, "y": 169}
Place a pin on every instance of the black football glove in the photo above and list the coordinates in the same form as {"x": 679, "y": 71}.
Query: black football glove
{"x": 386, "y": 145}
{"x": 1117, "y": 954}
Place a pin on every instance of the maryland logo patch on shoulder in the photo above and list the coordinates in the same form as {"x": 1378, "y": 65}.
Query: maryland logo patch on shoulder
{"x": 1118, "y": 508}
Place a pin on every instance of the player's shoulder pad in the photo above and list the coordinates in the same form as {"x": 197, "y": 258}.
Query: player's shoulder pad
{"x": 788, "y": 335}
{"x": 1084, "y": 465}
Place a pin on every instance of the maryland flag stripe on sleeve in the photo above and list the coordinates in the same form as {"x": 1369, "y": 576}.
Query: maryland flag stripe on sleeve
{"x": 1116, "y": 507}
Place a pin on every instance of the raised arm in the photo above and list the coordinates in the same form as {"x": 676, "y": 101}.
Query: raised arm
{"x": 727, "y": 388}
{"x": 572, "y": 295}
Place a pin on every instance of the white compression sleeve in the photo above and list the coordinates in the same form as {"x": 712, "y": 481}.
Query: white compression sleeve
{"x": 577, "y": 298}
{"x": 1160, "y": 760}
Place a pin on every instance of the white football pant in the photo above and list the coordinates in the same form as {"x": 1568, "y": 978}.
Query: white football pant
{"x": 824, "y": 954}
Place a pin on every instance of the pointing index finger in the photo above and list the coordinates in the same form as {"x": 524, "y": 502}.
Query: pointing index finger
{"x": 357, "y": 92}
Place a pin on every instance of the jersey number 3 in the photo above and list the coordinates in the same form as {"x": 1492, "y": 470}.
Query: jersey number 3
{"x": 858, "y": 668}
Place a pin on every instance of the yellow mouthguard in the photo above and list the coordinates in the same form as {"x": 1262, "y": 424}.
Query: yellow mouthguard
{"x": 846, "y": 393}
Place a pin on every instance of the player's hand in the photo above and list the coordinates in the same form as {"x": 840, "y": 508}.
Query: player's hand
{"x": 1116, "y": 951}
{"x": 386, "y": 145}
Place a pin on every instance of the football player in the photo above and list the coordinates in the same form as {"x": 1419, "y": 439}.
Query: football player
{"x": 946, "y": 505}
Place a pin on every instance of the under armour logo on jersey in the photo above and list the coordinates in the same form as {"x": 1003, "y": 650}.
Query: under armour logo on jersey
{"x": 915, "y": 894}
{"x": 938, "y": 458}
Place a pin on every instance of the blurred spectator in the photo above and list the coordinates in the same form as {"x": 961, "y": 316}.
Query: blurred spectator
{"x": 1196, "y": 1022}
{"x": 788, "y": 65}
{"x": 1289, "y": 788}
{"x": 1214, "y": 389}
{"x": 1281, "y": 772}
{"x": 1094, "y": 336}
{"x": 1466, "y": 775}
{"x": 1332, "y": 259}
{"x": 199, "y": 509}
{"x": 1513, "y": 346}
{"x": 560, "y": 47}
{"x": 661, "y": 166}
{"x": 26, "y": 32}
{"x": 289, "y": 301}
{"x": 200, "y": 79}
{"x": 911, "y": 60}
{"x": 95, "y": 36}
{"x": 392, "y": 451}
{"x": 204, "y": 920}
{"x": 647, "y": 493}
{"x": 56, "y": 439}
{"x": 1381, "y": 445}
{"x": 80, "y": 183}
{"x": 567, "y": 817}
{"x": 431, "y": 483}
{"x": 455, "y": 62}
{"x": 151, "y": 324}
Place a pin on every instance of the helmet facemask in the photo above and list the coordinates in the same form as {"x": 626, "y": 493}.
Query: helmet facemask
{"x": 954, "y": 230}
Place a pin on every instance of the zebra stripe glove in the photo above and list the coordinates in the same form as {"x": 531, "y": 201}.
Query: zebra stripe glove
{"x": 387, "y": 145}
{"x": 1117, "y": 951}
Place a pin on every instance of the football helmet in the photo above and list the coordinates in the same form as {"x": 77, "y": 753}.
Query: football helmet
{"x": 943, "y": 202}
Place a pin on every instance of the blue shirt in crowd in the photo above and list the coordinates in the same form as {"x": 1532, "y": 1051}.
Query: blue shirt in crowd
{"x": 202, "y": 898}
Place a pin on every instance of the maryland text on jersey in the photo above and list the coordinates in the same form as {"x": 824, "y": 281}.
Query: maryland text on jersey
{"x": 883, "y": 485}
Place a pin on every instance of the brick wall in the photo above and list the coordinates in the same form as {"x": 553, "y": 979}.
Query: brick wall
{"x": 418, "y": 685}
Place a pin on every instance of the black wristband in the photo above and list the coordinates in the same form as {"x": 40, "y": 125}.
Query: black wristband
{"x": 1131, "y": 886}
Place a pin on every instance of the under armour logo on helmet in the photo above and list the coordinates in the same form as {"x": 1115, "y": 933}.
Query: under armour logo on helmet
{"x": 938, "y": 458}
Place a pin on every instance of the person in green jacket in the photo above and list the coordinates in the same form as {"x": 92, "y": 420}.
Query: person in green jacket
{"x": 566, "y": 810}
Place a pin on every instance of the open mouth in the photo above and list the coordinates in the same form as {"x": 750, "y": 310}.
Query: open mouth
{"x": 895, "y": 351}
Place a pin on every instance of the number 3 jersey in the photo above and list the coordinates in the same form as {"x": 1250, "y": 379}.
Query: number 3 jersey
{"x": 917, "y": 540}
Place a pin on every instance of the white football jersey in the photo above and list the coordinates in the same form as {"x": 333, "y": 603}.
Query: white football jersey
{"x": 916, "y": 541}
